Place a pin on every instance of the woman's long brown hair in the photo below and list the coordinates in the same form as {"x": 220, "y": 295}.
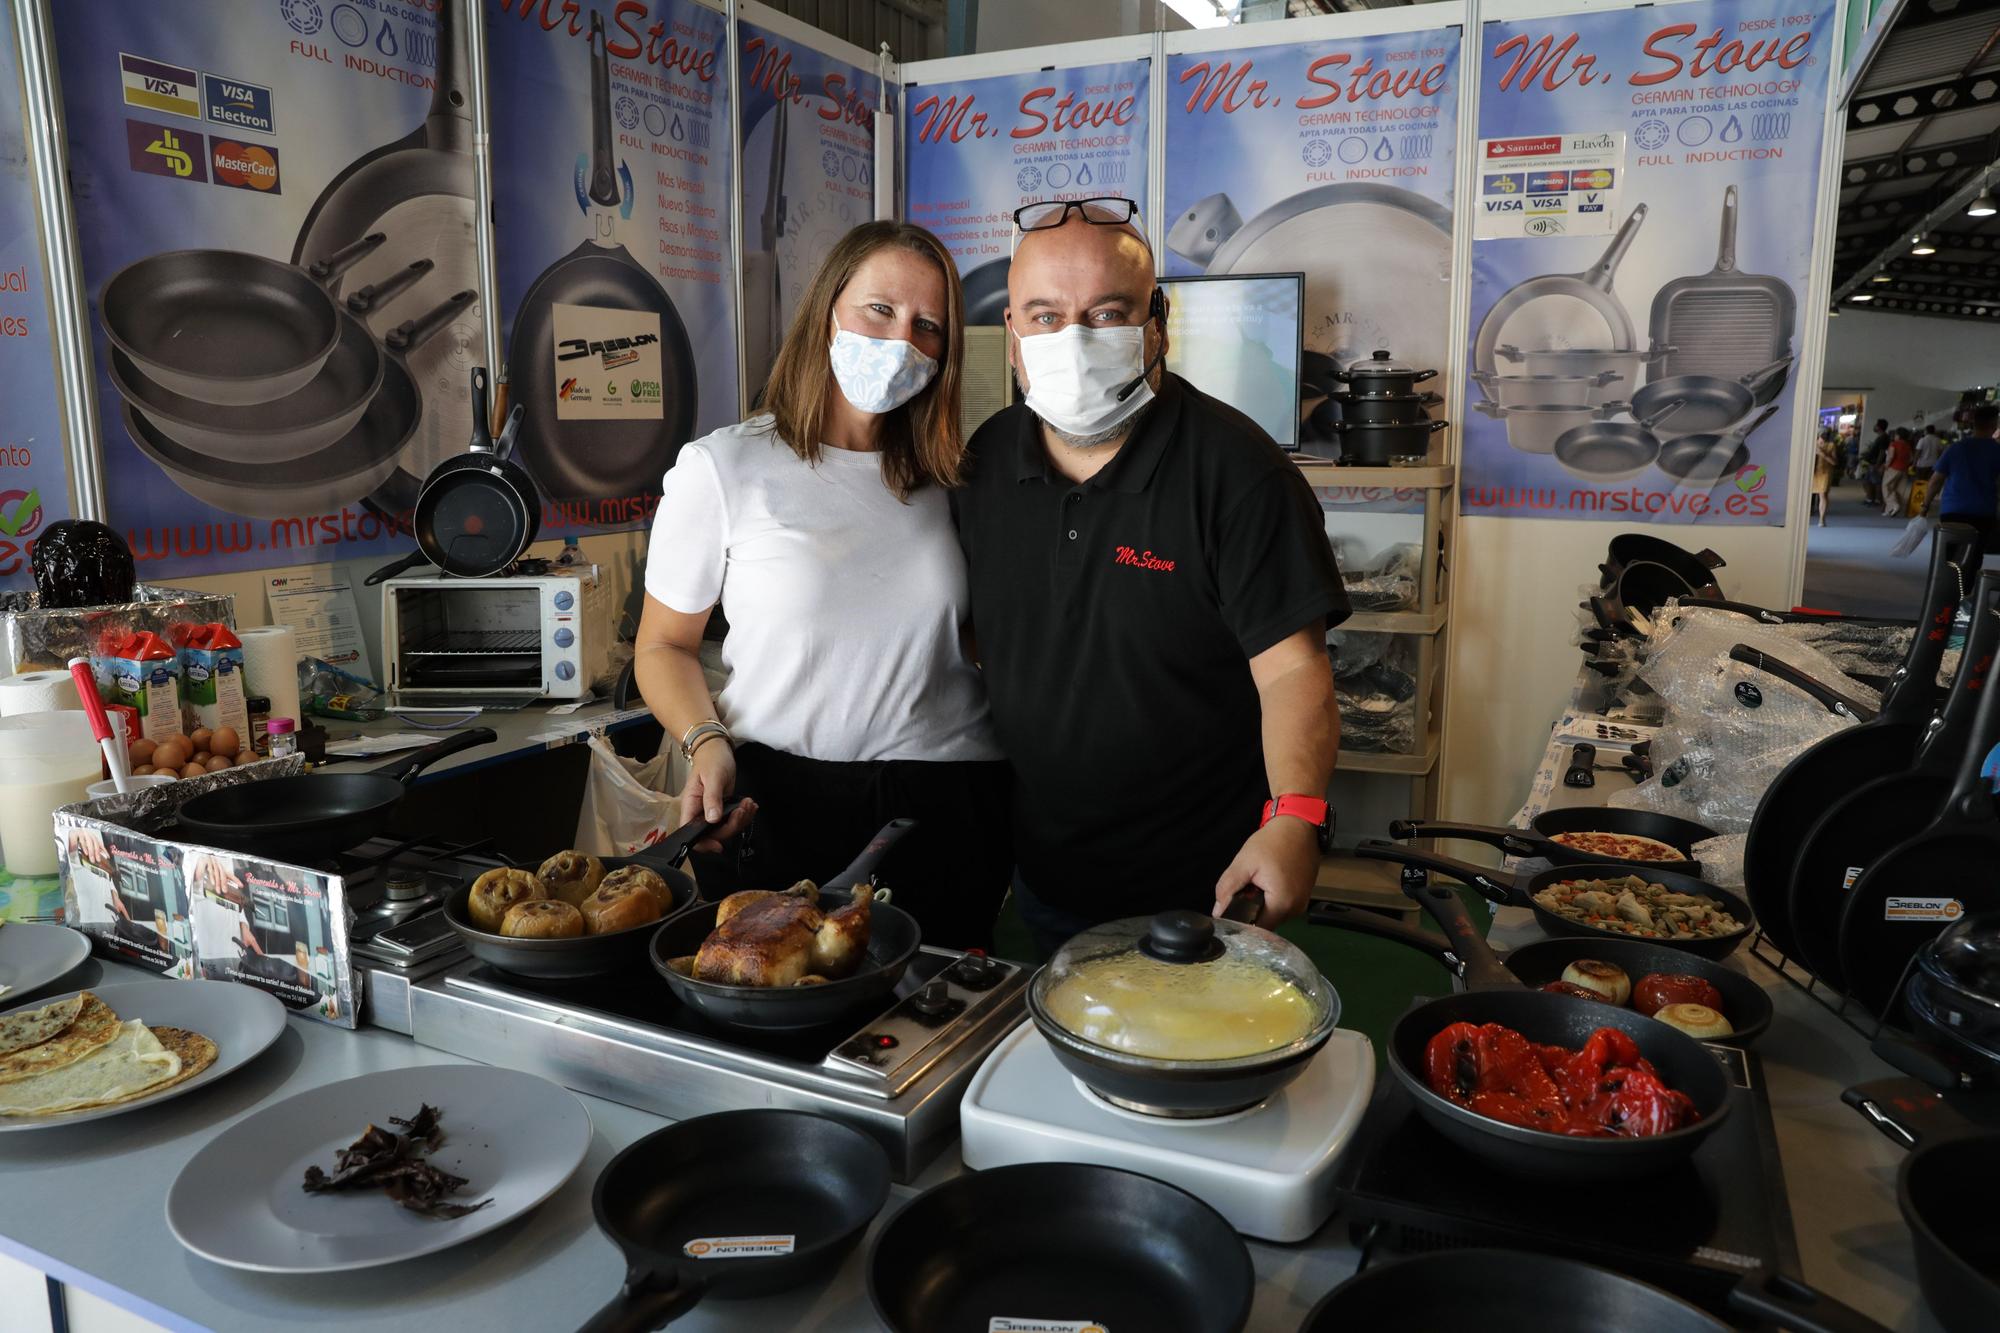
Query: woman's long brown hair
{"x": 922, "y": 443}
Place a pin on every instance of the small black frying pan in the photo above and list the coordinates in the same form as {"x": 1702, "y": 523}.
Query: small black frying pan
{"x": 1679, "y": 834}
{"x": 1064, "y": 1245}
{"x": 800, "y": 1186}
{"x": 1955, "y": 1230}
{"x": 1611, "y": 450}
{"x": 1510, "y": 891}
{"x": 1700, "y": 461}
{"x": 312, "y": 815}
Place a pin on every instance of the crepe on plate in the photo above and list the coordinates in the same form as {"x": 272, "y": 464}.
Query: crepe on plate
{"x": 80, "y": 1072}
{"x": 93, "y": 1026}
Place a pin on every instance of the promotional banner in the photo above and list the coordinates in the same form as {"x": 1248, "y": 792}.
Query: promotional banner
{"x": 1331, "y": 158}
{"x": 612, "y": 191}
{"x": 977, "y": 149}
{"x": 1647, "y": 181}
{"x": 34, "y": 477}
{"x": 277, "y": 189}
{"x": 808, "y": 160}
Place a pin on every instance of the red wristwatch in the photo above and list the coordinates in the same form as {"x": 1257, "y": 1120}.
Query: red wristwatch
{"x": 1309, "y": 808}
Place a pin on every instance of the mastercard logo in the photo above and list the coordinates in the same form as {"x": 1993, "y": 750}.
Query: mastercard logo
{"x": 1590, "y": 180}
{"x": 244, "y": 166}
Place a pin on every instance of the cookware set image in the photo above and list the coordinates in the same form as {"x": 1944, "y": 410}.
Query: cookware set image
{"x": 1561, "y": 362}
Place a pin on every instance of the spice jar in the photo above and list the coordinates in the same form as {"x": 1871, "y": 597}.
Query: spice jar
{"x": 260, "y": 714}
{"x": 283, "y": 734}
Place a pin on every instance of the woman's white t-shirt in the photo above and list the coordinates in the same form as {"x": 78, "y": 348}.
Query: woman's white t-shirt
{"x": 844, "y": 603}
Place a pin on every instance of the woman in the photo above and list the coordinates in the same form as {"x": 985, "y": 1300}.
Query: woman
{"x": 820, "y": 528}
{"x": 1826, "y": 464}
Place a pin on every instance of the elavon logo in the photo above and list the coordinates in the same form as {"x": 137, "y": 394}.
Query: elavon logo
{"x": 1125, "y": 555}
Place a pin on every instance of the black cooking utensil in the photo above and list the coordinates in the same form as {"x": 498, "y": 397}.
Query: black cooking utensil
{"x": 1365, "y": 444}
{"x": 1591, "y": 288}
{"x": 1084, "y": 1247}
{"x": 1954, "y": 1229}
{"x": 1512, "y": 891}
{"x": 591, "y": 459}
{"x": 1515, "y": 1291}
{"x": 1537, "y": 838}
{"x": 1819, "y": 776}
{"x": 1707, "y": 403}
{"x": 893, "y": 939}
{"x": 310, "y": 815}
{"x": 1695, "y": 569}
{"x": 585, "y": 956}
{"x": 1582, "y": 759}
{"x": 1612, "y": 450}
{"x": 1385, "y": 409}
{"x": 478, "y": 511}
{"x": 1700, "y": 461}
{"x": 1495, "y": 995}
{"x": 735, "y": 1205}
{"x": 1821, "y": 693}
{"x": 1864, "y": 822}
{"x": 1724, "y": 322}
{"x": 1932, "y": 878}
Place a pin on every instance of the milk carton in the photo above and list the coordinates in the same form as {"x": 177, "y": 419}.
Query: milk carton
{"x": 211, "y": 658}
{"x": 141, "y": 673}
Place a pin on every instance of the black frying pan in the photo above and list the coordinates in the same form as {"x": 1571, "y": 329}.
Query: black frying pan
{"x": 478, "y": 510}
{"x": 1955, "y": 1230}
{"x": 1611, "y": 450}
{"x": 1679, "y": 834}
{"x": 1496, "y": 995}
{"x": 1820, "y": 775}
{"x": 298, "y": 424}
{"x": 587, "y": 955}
{"x": 1943, "y": 872}
{"x": 587, "y": 460}
{"x": 1706, "y": 403}
{"x": 312, "y": 815}
{"x": 1510, "y": 891}
{"x": 1513, "y": 1291}
{"x": 813, "y": 1182}
{"x": 1695, "y": 568}
{"x": 893, "y": 939}
{"x": 1869, "y": 818}
{"x": 1700, "y": 461}
{"x": 1082, "y": 1247}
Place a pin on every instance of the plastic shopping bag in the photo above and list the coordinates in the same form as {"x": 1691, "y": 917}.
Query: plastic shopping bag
{"x": 627, "y": 804}
{"x": 1914, "y": 534}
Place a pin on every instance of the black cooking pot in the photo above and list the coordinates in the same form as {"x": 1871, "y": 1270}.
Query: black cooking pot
{"x": 1367, "y": 445}
{"x": 1382, "y": 377}
{"x": 1387, "y": 409}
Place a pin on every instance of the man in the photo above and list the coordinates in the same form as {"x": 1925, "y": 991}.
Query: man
{"x": 1966, "y": 483}
{"x": 1151, "y": 588}
{"x": 1930, "y": 447}
{"x": 1871, "y": 463}
{"x": 1896, "y": 473}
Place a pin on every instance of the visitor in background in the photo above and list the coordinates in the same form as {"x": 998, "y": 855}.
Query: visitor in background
{"x": 1930, "y": 447}
{"x": 1871, "y": 463}
{"x": 1966, "y": 483}
{"x": 1826, "y": 463}
{"x": 1896, "y": 472}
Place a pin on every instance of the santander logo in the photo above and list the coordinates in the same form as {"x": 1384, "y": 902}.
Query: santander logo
{"x": 1125, "y": 555}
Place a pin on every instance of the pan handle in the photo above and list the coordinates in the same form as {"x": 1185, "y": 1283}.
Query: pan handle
{"x": 641, "y": 1307}
{"x": 1708, "y": 557}
{"x": 1482, "y": 968}
{"x": 862, "y": 868}
{"x": 673, "y": 849}
{"x": 1599, "y": 274}
{"x": 414, "y": 333}
{"x": 482, "y": 439}
{"x": 1725, "y": 250}
{"x": 1757, "y": 379}
{"x": 407, "y": 767}
{"x": 1871, "y": 1111}
{"x": 1341, "y": 916}
{"x": 603, "y": 175}
{"x": 1786, "y": 1302}
{"x": 1509, "y": 840}
{"x": 381, "y": 293}
{"x": 1827, "y": 697}
{"x": 329, "y": 267}
{"x": 1496, "y": 886}
{"x": 393, "y": 568}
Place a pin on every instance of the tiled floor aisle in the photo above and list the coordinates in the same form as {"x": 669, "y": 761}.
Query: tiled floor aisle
{"x": 1848, "y": 565}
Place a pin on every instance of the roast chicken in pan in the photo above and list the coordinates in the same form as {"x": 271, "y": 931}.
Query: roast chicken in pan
{"x": 783, "y": 938}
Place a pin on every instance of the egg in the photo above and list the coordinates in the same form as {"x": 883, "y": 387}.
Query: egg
{"x": 225, "y": 741}
{"x": 170, "y": 757}
{"x": 141, "y": 751}
{"x": 194, "y": 771}
{"x": 200, "y": 757}
{"x": 201, "y": 737}
{"x": 141, "y": 770}
{"x": 218, "y": 762}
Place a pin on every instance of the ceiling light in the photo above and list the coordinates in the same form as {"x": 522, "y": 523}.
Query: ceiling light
{"x": 1202, "y": 13}
{"x": 1922, "y": 247}
{"x": 1862, "y": 296}
{"x": 1883, "y": 277}
{"x": 1985, "y": 206}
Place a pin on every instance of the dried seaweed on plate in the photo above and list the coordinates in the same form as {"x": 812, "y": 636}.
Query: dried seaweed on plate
{"x": 394, "y": 1163}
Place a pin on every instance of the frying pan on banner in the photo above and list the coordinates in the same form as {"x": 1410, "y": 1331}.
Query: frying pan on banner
{"x": 986, "y": 292}
{"x": 1723, "y": 322}
{"x": 586, "y": 458}
{"x": 1376, "y": 259}
{"x": 1709, "y": 402}
{"x": 1815, "y": 778}
{"x": 419, "y": 189}
{"x": 1698, "y": 462}
{"x": 1563, "y": 309}
{"x": 337, "y": 475}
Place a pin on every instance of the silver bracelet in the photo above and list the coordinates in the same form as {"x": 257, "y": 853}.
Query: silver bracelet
{"x": 701, "y": 731}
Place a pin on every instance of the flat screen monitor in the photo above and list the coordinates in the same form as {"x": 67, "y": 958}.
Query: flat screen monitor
{"x": 1237, "y": 337}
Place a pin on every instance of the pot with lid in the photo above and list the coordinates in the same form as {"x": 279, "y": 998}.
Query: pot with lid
{"x": 1382, "y": 376}
{"x": 1181, "y": 1015}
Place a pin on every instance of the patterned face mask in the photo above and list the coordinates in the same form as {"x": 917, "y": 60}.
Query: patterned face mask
{"x": 879, "y": 374}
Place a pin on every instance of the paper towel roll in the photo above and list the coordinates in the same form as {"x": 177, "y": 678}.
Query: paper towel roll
{"x": 271, "y": 667}
{"x": 38, "y": 692}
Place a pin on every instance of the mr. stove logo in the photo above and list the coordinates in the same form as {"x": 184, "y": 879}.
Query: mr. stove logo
{"x": 1751, "y": 479}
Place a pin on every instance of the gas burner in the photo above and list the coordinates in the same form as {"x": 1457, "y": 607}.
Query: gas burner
{"x": 1154, "y": 1115}
{"x": 404, "y": 886}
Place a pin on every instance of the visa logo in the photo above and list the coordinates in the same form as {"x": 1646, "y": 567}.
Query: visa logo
{"x": 160, "y": 86}
{"x": 237, "y": 104}
{"x": 1545, "y": 201}
{"x": 1502, "y": 205}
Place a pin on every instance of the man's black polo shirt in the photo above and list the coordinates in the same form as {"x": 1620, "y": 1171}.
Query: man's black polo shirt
{"x": 1116, "y": 620}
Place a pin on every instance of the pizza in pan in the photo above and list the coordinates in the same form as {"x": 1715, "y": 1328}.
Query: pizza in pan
{"x": 1619, "y": 846}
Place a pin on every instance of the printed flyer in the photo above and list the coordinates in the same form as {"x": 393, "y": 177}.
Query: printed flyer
{"x": 313, "y": 163}
{"x": 978, "y": 149}
{"x": 808, "y": 175}
{"x": 34, "y": 476}
{"x": 1661, "y": 291}
{"x": 1334, "y": 158}
{"x": 612, "y": 189}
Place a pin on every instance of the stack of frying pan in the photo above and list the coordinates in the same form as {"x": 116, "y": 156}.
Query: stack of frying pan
{"x": 1383, "y": 415}
{"x": 1871, "y": 842}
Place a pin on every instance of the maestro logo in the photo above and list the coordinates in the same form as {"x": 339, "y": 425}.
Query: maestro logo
{"x": 1751, "y": 479}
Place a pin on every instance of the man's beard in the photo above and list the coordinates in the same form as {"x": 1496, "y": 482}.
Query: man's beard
{"x": 1100, "y": 440}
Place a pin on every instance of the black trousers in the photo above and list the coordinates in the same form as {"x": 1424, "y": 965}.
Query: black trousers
{"x": 814, "y": 816}
{"x": 1983, "y": 522}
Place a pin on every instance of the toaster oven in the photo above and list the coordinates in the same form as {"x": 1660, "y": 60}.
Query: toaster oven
{"x": 544, "y": 634}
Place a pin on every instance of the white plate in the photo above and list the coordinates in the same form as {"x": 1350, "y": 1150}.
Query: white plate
{"x": 33, "y": 954}
{"x": 240, "y": 1200}
{"x": 242, "y": 1021}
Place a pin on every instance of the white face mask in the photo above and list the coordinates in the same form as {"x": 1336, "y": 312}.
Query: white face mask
{"x": 1076, "y": 374}
{"x": 878, "y": 374}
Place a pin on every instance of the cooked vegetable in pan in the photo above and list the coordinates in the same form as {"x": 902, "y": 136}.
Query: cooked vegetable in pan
{"x": 1631, "y": 906}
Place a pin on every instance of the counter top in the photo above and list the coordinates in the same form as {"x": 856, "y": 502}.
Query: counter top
{"x": 536, "y": 727}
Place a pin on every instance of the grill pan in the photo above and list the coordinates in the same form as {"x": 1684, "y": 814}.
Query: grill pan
{"x": 1590, "y": 288}
{"x": 1723, "y": 322}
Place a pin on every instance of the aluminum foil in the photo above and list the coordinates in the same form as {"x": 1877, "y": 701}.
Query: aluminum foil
{"x": 32, "y": 639}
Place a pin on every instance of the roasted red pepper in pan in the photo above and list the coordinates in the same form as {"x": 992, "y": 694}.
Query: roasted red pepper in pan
{"x": 1607, "y": 1088}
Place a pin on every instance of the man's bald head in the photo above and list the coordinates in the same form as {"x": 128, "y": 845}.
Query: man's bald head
{"x": 1079, "y": 250}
